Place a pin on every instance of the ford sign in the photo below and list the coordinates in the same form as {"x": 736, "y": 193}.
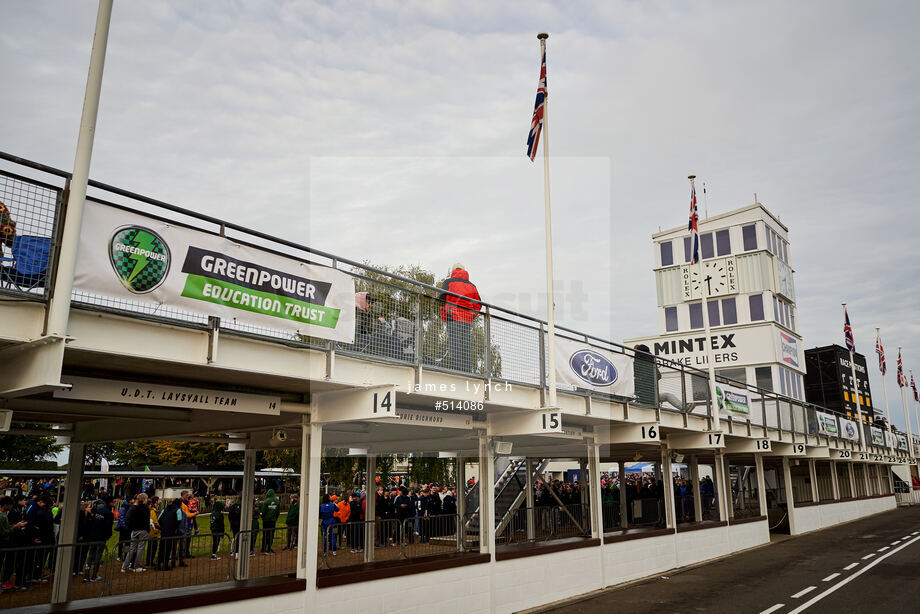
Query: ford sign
{"x": 593, "y": 368}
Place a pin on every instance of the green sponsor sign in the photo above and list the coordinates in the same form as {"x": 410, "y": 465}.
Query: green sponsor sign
{"x": 221, "y": 292}
{"x": 827, "y": 424}
{"x": 733, "y": 400}
{"x": 140, "y": 258}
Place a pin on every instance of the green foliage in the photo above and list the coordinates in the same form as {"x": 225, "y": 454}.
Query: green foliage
{"x": 28, "y": 451}
{"x": 340, "y": 468}
{"x": 286, "y": 458}
{"x": 172, "y": 453}
{"x": 427, "y": 469}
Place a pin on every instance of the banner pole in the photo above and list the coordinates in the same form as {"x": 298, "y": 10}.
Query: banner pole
{"x": 878, "y": 339}
{"x": 907, "y": 420}
{"x": 862, "y": 427}
{"x": 550, "y": 297}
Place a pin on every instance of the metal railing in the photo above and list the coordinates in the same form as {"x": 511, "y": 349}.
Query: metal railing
{"x": 545, "y": 523}
{"x": 263, "y": 553}
{"x": 404, "y": 324}
{"x": 346, "y": 544}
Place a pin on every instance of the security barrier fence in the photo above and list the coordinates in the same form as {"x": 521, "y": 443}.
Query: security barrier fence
{"x": 346, "y": 544}
{"x": 545, "y": 523}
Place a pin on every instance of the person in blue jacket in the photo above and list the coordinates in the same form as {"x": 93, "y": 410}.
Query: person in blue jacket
{"x": 327, "y": 517}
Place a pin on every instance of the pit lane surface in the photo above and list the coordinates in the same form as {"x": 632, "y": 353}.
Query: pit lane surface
{"x": 867, "y": 566}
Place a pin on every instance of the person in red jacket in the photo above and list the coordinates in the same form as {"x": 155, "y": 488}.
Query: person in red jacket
{"x": 459, "y": 313}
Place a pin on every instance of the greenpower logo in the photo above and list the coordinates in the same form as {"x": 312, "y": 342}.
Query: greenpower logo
{"x": 140, "y": 258}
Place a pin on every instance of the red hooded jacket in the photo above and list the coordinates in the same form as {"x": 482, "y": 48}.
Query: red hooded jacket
{"x": 454, "y": 307}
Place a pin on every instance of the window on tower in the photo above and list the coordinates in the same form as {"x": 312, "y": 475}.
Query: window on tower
{"x": 756, "y": 304}
{"x": 729, "y": 311}
{"x": 667, "y": 253}
{"x": 670, "y": 319}
{"x": 706, "y": 248}
{"x": 723, "y": 242}
{"x": 696, "y": 315}
{"x": 749, "y": 234}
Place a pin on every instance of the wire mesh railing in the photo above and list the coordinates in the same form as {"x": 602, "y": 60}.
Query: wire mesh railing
{"x": 29, "y": 213}
{"x": 263, "y": 553}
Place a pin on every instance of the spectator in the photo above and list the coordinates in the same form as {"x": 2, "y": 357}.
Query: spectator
{"x": 327, "y": 512}
{"x": 154, "y": 528}
{"x": 356, "y": 523}
{"x": 271, "y": 508}
{"x": 124, "y": 533}
{"x": 137, "y": 520}
{"x": 458, "y": 312}
{"x": 99, "y": 533}
{"x": 292, "y": 521}
{"x": 186, "y": 527}
{"x": 217, "y": 527}
{"x": 170, "y": 520}
{"x": 7, "y": 227}
{"x": 234, "y": 515}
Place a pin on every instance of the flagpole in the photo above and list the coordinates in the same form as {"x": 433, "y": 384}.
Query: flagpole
{"x": 550, "y": 298}
{"x": 910, "y": 434}
{"x": 916, "y": 413}
{"x": 707, "y": 344}
{"x": 878, "y": 343}
{"x": 862, "y": 427}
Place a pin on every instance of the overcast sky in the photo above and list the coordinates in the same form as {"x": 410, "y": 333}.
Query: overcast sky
{"x": 395, "y": 132}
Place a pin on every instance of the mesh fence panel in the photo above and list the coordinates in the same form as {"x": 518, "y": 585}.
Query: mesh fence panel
{"x": 28, "y": 230}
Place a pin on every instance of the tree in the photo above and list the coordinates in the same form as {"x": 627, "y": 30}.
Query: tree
{"x": 172, "y": 453}
{"x": 29, "y": 451}
{"x": 428, "y": 469}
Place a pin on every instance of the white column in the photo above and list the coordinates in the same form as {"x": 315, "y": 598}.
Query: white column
{"x": 370, "y": 507}
{"x": 790, "y": 497}
{"x": 851, "y": 472}
{"x": 761, "y": 484}
{"x": 813, "y": 478}
{"x": 461, "y": 502}
{"x": 724, "y": 493}
{"x": 835, "y": 485}
{"x": 486, "y": 496}
{"x": 624, "y": 515}
{"x": 695, "y": 478}
{"x": 306, "y": 487}
{"x": 594, "y": 484}
{"x": 530, "y": 512}
{"x": 310, "y": 509}
{"x": 668, "y": 485}
{"x": 247, "y": 539}
{"x": 70, "y": 515}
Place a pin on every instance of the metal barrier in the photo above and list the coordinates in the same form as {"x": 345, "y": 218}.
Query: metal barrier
{"x": 157, "y": 563}
{"x": 28, "y": 572}
{"x": 270, "y": 553}
{"x": 28, "y": 235}
{"x": 546, "y": 523}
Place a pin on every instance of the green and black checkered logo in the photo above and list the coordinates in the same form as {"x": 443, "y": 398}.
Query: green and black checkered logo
{"x": 139, "y": 257}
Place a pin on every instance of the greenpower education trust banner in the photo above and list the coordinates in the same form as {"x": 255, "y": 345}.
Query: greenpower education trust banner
{"x": 128, "y": 255}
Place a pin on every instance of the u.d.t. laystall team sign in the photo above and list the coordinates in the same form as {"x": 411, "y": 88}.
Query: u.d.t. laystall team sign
{"x": 124, "y": 254}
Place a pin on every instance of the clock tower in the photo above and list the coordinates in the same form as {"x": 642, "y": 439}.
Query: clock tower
{"x": 748, "y": 278}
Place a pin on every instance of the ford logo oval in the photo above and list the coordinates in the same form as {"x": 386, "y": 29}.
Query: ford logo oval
{"x": 593, "y": 368}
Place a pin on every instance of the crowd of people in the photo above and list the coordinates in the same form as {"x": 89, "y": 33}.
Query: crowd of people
{"x": 151, "y": 534}
{"x": 403, "y": 514}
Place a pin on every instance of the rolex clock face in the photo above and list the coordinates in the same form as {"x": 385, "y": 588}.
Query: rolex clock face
{"x": 719, "y": 278}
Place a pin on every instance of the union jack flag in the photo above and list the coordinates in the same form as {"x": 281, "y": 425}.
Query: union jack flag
{"x": 848, "y": 331}
{"x": 694, "y": 228}
{"x": 882, "y": 365}
{"x": 539, "y": 106}
{"x": 902, "y": 381}
{"x": 914, "y": 386}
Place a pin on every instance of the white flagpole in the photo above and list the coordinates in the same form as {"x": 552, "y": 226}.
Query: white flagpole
{"x": 907, "y": 426}
{"x": 550, "y": 298}
{"x": 862, "y": 427}
{"x": 704, "y": 296}
{"x": 916, "y": 413}
{"x": 878, "y": 339}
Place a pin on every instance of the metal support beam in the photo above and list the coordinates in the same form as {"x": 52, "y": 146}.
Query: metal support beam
{"x": 313, "y": 538}
{"x": 761, "y": 484}
{"x": 850, "y": 473}
{"x": 724, "y": 500}
{"x": 461, "y": 503}
{"x": 790, "y": 498}
{"x": 695, "y": 479}
{"x": 594, "y": 483}
{"x": 667, "y": 482}
{"x": 370, "y": 508}
{"x": 305, "y": 488}
{"x": 486, "y": 496}
{"x": 246, "y": 537}
{"x": 813, "y": 479}
{"x": 835, "y": 484}
{"x": 531, "y": 533}
{"x": 70, "y": 517}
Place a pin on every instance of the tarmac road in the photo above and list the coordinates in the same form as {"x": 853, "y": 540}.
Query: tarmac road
{"x": 867, "y": 566}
